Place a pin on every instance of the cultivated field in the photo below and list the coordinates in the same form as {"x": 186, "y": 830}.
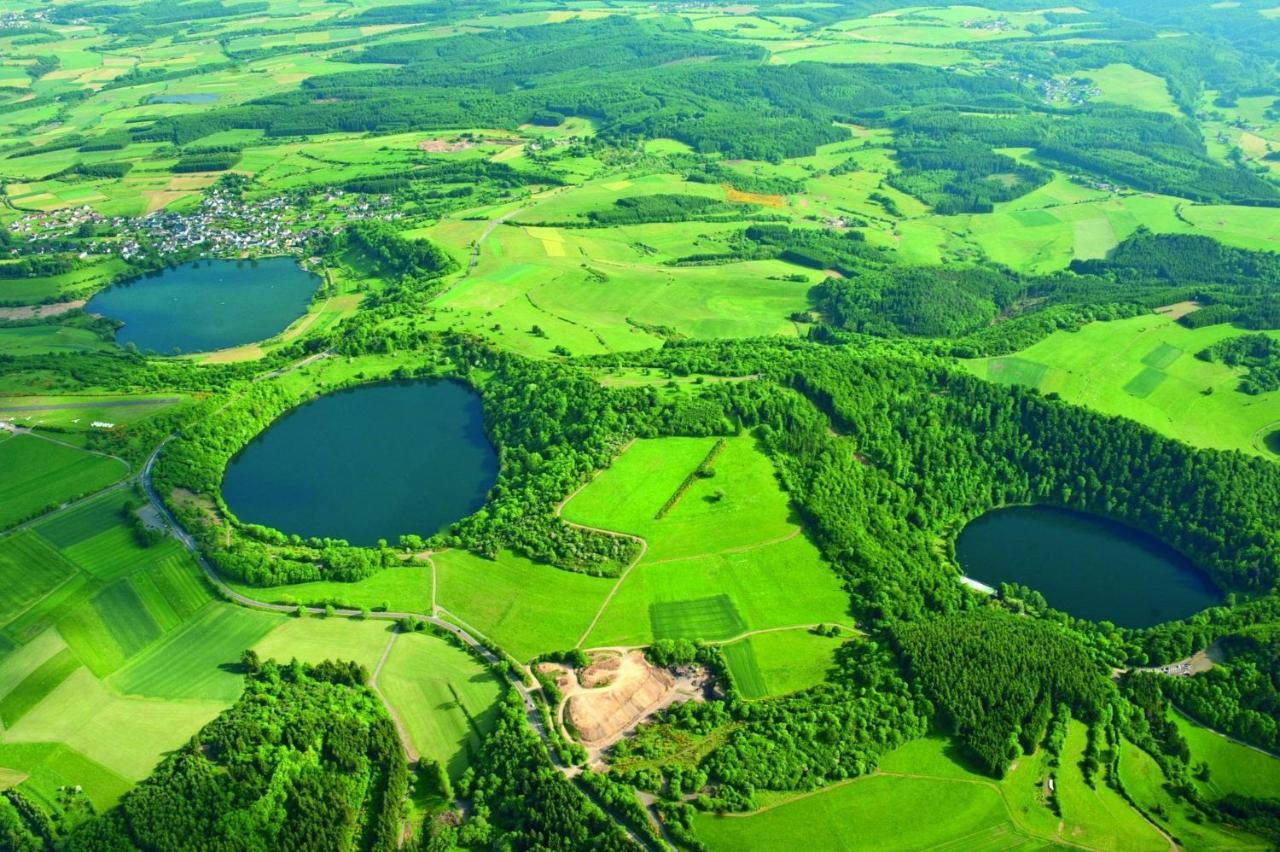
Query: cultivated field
{"x": 726, "y": 558}
{"x": 1145, "y": 369}
{"x": 40, "y": 474}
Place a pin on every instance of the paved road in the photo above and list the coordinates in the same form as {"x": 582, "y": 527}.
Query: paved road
{"x": 532, "y": 715}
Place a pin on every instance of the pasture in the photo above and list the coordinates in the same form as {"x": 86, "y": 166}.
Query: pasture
{"x": 777, "y": 663}
{"x": 404, "y": 589}
{"x": 1098, "y": 816}
{"x": 444, "y": 697}
{"x": 525, "y": 607}
{"x": 39, "y": 474}
{"x": 1233, "y": 768}
{"x": 1145, "y": 368}
{"x": 1146, "y": 783}
{"x": 726, "y": 557}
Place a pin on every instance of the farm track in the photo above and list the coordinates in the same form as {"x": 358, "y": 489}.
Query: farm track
{"x": 410, "y": 752}
{"x": 532, "y": 716}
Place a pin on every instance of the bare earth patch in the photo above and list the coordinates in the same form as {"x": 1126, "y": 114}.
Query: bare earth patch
{"x": 40, "y": 311}
{"x": 1178, "y": 309}
{"x": 620, "y": 689}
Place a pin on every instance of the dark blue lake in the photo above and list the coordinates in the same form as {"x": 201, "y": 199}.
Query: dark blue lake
{"x": 377, "y": 461}
{"x": 1088, "y": 566}
{"x": 207, "y": 305}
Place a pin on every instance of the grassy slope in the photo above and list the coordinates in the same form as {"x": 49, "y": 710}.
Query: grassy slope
{"x": 744, "y": 545}
{"x": 1233, "y": 768}
{"x": 1093, "y": 367}
{"x": 445, "y": 698}
{"x": 524, "y": 607}
{"x": 785, "y": 661}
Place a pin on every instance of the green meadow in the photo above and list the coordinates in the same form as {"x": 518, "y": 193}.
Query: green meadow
{"x": 925, "y": 796}
{"x": 1145, "y": 369}
{"x": 445, "y": 698}
{"x": 39, "y": 474}
{"x": 1233, "y": 768}
{"x": 726, "y": 559}
{"x": 777, "y": 663}
{"x": 525, "y": 607}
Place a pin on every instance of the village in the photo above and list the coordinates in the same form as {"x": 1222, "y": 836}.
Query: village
{"x": 224, "y": 224}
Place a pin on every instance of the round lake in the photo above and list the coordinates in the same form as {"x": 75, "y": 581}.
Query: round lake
{"x": 377, "y": 461}
{"x": 1088, "y": 566}
{"x": 210, "y": 304}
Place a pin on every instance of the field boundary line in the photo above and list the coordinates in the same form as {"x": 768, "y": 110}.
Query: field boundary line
{"x": 23, "y": 430}
{"x": 410, "y": 752}
{"x": 744, "y": 548}
{"x": 1184, "y": 714}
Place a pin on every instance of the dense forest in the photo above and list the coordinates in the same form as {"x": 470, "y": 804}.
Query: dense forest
{"x": 307, "y": 758}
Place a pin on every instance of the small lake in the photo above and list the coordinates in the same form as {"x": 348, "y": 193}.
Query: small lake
{"x": 1088, "y": 566}
{"x": 207, "y": 305}
{"x": 377, "y": 461}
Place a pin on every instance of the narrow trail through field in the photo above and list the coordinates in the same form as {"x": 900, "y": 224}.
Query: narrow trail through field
{"x": 786, "y": 628}
{"x": 410, "y": 752}
{"x": 744, "y": 548}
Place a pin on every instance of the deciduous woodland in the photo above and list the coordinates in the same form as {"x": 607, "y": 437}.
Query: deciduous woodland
{"x": 763, "y": 305}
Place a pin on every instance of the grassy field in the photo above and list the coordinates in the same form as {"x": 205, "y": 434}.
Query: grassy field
{"x": 406, "y": 589}
{"x": 1098, "y": 817}
{"x": 526, "y": 608}
{"x": 40, "y": 474}
{"x": 1146, "y": 783}
{"x": 1233, "y": 768}
{"x": 770, "y": 664}
{"x": 314, "y": 640}
{"x": 726, "y": 558}
{"x": 445, "y": 698}
{"x": 965, "y": 809}
{"x": 1128, "y": 86}
{"x": 1145, "y": 369}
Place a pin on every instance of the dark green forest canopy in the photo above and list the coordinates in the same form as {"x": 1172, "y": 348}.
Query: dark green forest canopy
{"x": 739, "y": 107}
{"x": 307, "y": 758}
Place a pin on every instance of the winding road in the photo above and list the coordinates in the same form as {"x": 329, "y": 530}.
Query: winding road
{"x": 532, "y": 714}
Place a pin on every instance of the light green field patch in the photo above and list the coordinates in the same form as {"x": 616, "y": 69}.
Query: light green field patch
{"x": 741, "y": 505}
{"x": 1128, "y": 86}
{"x": 126, "y": 735}
{"x": 874, "y": 812}
{"x": 39, "y": 474}
{"x": 1197, "y": 402}
{"x": 1016, "y": 371}
{"x": 1093, "y": 238}
{"x": 200, "y": 660}
{"x": 313, "y": 640}
{"x": 1098, "y": 817}
{"x": 744, "y": 670}
{"x": 782, "y": 584}
{"x": 25, "y": 659}
{"x": 788, "y": 661}
{"x": 37, "y": 685}
{"x": 1033, "y": 218}
{"x": 1144, "y": 781}
{"x": 403, "y": 589}
{"x": 1145, "y": 383}
{"x": 701, "y": 619}
{"x": 444, "y": 697}
{"x": 1233, "y": 768}
{"x": 109, "y": 628}
{"x": 50, "y": 767}
{"x": 30, "y": 568}
{"x": 526, "y": 608}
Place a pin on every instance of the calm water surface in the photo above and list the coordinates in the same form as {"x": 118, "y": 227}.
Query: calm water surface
{"x": 209, "y": 304}
{"x": 378, "y": 461}
{"x": 1088, "y": 566}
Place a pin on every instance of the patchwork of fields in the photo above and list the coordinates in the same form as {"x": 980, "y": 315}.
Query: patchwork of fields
{"x": 1145, "y": 369}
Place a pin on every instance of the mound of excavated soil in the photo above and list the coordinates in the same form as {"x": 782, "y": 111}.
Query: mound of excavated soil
{"x": 635, "y": 689}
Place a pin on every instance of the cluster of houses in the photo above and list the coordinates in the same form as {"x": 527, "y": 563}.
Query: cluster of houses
{"x": 21, "y": 19}
{"x": 224, "y": 224}
{"x": 1074, "y": 91}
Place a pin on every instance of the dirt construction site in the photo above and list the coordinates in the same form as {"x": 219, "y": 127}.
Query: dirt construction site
{"x": 620, "y": 689}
